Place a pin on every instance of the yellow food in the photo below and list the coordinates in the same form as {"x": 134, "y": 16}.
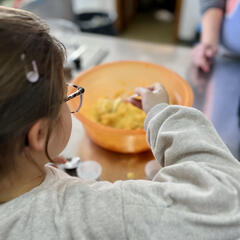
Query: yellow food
{"x": 118, "y": 114}
{"x": 130, "y": 175}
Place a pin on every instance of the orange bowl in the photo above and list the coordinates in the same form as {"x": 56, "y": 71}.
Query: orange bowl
{"x": 119, "y": 79}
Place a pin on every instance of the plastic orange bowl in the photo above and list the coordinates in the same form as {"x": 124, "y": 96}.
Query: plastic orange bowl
{"x": 119, "y": 79}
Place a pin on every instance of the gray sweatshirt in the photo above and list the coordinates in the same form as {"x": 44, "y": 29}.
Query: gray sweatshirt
{"x": 196, "y": 195}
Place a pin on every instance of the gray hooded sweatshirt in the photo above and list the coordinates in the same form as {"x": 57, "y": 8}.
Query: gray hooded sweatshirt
{"x": 196, "y": 195}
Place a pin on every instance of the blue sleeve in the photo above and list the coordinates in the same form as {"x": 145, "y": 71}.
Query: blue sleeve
{"x": 206, "y": 4}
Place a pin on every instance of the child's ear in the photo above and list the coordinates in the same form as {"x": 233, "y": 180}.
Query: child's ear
{"x": 37, "y": 135}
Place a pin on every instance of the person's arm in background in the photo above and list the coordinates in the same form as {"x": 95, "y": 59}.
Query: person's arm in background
{"x": 203, "y": 53}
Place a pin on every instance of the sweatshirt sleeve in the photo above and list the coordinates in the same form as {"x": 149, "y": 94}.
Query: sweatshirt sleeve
{"x": 206, "y": 4}
{"x": 178, "y": 134}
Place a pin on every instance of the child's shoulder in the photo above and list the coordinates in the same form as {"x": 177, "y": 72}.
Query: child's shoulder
{"x": 73, "y": 188}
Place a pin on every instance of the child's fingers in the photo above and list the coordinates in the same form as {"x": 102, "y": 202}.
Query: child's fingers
{"x": 158, "y": 86}
{"x": 136, "y": 102}
{"x": 142, "y": 91}
{"x": 155, "y": 88}
{"x": 151, "y": 88}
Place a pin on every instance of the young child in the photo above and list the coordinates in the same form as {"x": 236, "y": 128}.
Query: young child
{"x": 196, "y": 195}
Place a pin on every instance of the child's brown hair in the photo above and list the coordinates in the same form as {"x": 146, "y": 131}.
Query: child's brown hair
{"x": 25, "y": 38}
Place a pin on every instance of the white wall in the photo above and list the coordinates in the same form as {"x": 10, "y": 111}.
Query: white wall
{"x": 50, "y": 8}
{"x": 189, "y": 19}
{"x": 84, "y": 5}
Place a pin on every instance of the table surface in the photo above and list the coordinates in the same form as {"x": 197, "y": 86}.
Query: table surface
{"x": 216, "y": 94}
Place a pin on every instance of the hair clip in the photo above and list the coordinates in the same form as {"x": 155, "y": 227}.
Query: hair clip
{"x": 33, "y": 76}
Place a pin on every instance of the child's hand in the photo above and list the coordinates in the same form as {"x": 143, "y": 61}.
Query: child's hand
{"x": 203, "y": 54}
{"x": 150, "y": 97}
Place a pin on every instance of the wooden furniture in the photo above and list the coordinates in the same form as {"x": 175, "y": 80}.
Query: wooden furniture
{"x": 127, "y": 9}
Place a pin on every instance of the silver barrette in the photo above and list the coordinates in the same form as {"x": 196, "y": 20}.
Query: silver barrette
{"x": 32, "y": 76}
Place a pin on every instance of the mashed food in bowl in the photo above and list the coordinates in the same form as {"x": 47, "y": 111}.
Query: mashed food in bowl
{"x": 118, "y": 114}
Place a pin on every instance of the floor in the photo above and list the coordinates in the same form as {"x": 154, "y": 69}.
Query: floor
{"x": 146, "y": 27}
